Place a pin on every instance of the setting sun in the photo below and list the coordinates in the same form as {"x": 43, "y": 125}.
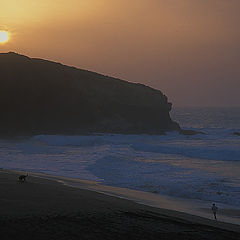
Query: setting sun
{"x": 4, "y": 36}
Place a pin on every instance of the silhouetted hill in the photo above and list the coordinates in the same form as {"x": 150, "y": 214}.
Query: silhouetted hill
{"x": 39, "y": 96}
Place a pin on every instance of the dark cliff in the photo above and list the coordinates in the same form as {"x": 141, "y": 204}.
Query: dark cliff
{"x": 39, "y": 96}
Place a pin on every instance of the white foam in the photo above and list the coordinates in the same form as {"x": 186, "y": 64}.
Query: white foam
{"x": 204, "y": 167}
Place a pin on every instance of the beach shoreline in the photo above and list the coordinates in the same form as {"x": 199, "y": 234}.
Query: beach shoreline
{"x": 116, "y": 199}
{"x": 226, "y": 213}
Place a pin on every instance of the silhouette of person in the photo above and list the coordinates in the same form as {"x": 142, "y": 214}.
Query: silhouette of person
{"x": 214, "y": 210}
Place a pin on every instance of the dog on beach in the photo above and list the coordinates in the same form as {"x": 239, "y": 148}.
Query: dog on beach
{"x": 22, "y": 178}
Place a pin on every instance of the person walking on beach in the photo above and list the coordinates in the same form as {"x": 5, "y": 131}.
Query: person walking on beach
{"x": 214, "y": 210}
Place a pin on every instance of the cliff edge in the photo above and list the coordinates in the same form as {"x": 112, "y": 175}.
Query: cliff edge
{"x": 39, "y": 97}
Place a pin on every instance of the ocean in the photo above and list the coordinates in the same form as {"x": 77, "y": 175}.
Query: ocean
{"x": 201, "y": 167}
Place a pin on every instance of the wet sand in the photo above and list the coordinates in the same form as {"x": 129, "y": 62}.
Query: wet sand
{"x": 226, "y": 213}
{"x": 45, "y": 209}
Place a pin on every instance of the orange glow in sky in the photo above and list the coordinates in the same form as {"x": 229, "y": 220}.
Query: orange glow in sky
{"x": 188, "y": 49}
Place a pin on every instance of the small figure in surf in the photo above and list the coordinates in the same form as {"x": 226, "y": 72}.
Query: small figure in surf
{"x": 214, "y": 210}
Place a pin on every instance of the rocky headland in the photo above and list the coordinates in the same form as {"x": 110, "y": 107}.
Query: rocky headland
{"x": 44, "y": 97}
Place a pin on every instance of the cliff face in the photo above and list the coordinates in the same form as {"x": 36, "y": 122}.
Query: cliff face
{"x": 39, "y": 96}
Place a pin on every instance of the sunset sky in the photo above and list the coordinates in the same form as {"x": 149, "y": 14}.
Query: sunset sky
{"x": 189, "y": 49}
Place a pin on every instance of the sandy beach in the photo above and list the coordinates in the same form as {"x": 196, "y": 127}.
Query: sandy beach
{"x": 43, "y": 208}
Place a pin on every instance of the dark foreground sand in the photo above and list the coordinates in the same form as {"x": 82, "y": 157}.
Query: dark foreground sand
{"x": 44, "y": 209}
